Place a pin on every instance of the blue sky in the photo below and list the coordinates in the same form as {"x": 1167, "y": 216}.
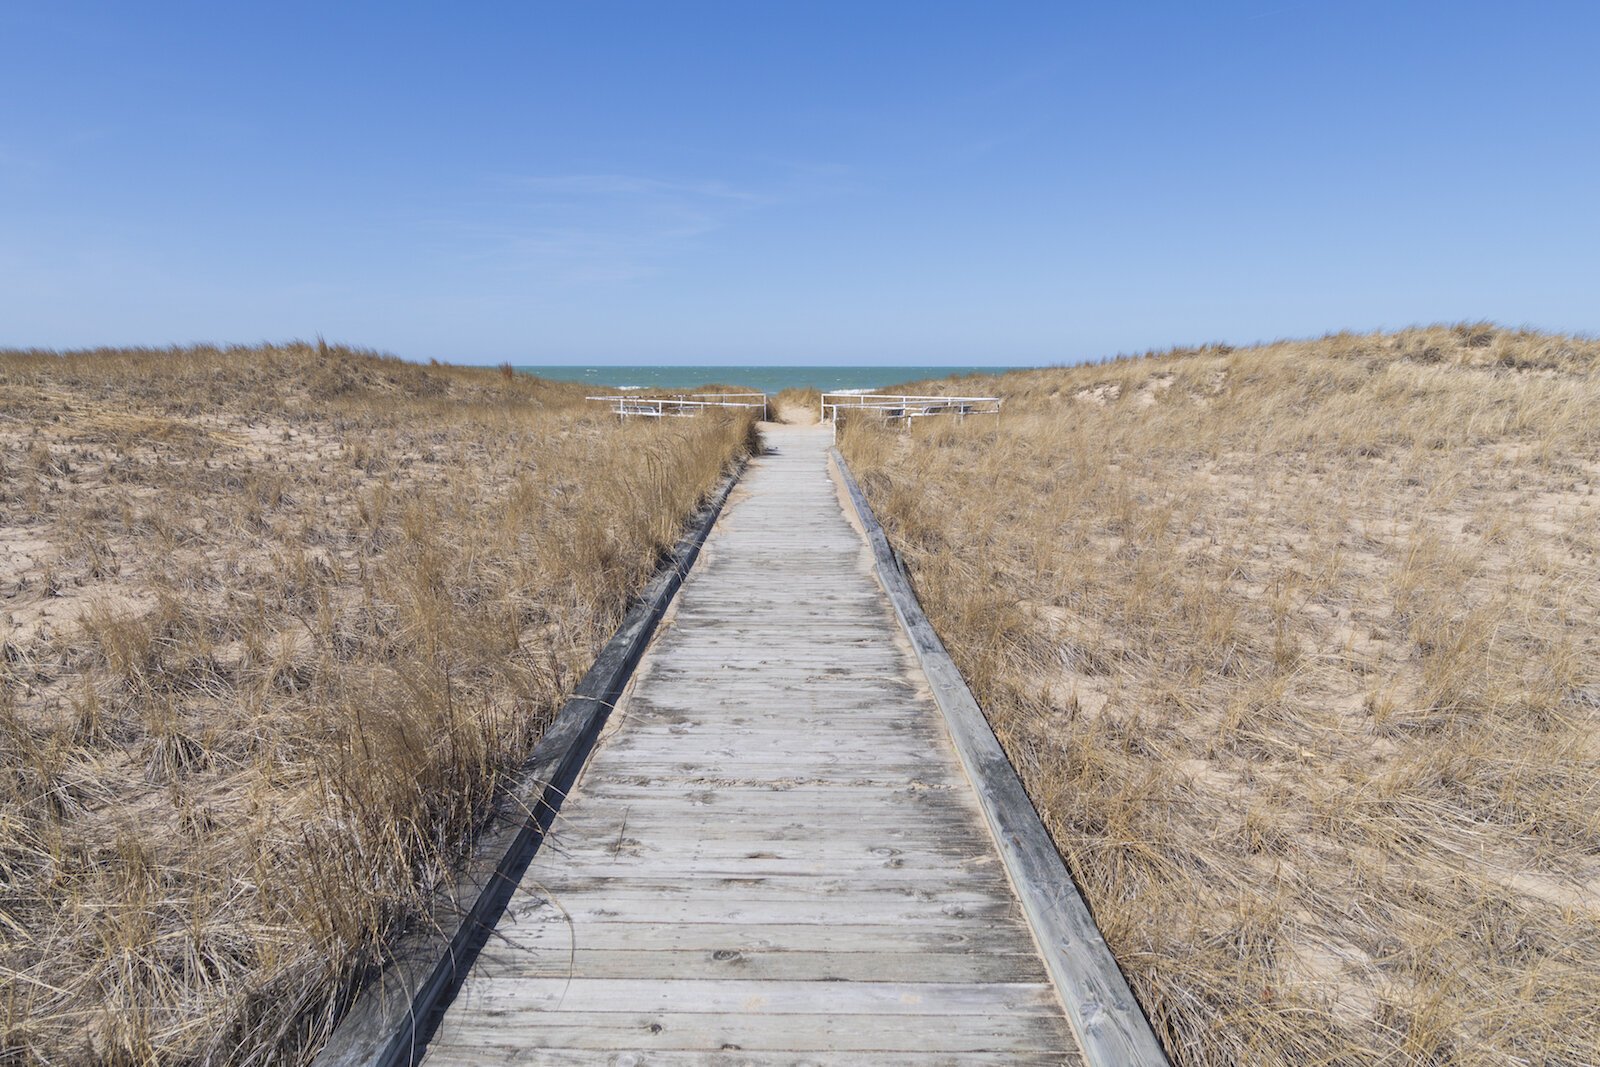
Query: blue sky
{"x": 802, "y": 183}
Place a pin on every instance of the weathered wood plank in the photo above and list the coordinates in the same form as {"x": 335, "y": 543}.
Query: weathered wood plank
{"x": 698, "y": 867}
{"x": 881, "y": 852}
{"x": 830, "y": 769}
{"x": 757, "y": 864}
{"x": 503, "y": 1056}
{"x": 565, "y": 888}
{"x": 946, "y": 999}
{"x": 710, "y": 1031}
{"x": 784, "y": 822}
{"x": 998, "y": 938}
{"x": 625, "y": 788}
{"x": 827, "y": 965}
{"x": 525, "y": 909}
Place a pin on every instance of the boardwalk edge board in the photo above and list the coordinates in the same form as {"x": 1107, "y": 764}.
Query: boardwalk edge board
{"x": 1101, "y": 1008}
{"x": 393, "y": 1016}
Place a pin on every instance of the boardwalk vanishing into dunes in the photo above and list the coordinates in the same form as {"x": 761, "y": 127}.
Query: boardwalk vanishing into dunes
{"x": 774, "y": 854}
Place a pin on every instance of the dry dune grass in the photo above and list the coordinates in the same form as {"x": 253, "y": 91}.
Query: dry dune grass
{"x": 1298, "y": 651}
{"x": 273, "y": 624}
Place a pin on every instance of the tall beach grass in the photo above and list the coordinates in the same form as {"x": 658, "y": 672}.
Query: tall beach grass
{"x": 274, "y": 624}
{"x": 1297, "y": 649}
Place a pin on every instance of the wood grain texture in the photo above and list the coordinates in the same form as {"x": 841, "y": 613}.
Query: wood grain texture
{"x": 1110, "y": 1026}
{"x": 774, "y": 854}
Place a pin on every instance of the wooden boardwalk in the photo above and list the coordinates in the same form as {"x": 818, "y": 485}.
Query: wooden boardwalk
{"x": 774, "y": 855}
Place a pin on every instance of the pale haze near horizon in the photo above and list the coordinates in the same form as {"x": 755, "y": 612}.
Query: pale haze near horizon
{"x": 825, "y": 184}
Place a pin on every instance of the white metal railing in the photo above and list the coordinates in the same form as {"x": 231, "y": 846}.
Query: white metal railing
{"x": 902, "y": 406}
{"x": 679, "y": 405}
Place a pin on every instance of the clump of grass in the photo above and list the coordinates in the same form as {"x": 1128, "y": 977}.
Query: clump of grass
{"x": 1295, "y": 649}
{"x": 278, "y": 623}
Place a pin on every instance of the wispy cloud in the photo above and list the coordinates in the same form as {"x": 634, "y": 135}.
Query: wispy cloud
{"x": 633, "y": 187}
{"x": 596, "y": 228}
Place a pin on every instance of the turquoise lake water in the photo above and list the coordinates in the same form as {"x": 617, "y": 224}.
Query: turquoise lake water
{"x": 765, "y": 379}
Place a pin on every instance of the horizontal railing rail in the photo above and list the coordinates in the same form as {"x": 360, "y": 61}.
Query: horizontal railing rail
{"x": 678, "y": 405}
{"x": 904, "y": 405}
